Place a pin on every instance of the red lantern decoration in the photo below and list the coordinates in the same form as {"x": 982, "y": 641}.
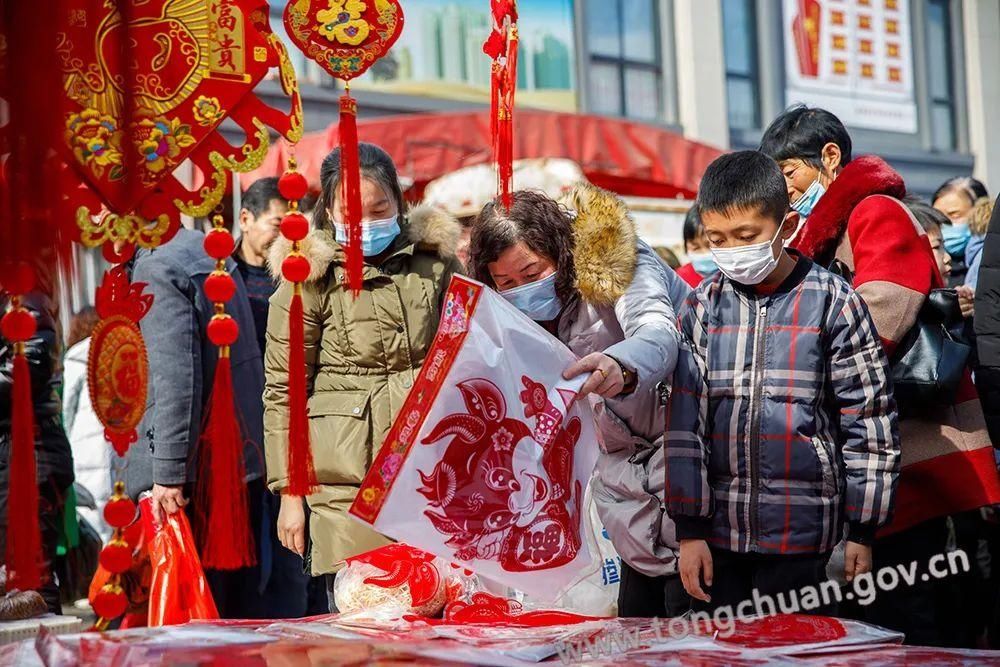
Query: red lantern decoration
{"x": 120, "y": 511}
{"x": 501, "y": 47}
{"x": 116, "y": 556}
{"x": 110, "y": 602}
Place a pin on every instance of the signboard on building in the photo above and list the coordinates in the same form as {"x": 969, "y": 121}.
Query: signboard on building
{"x": 440, "y": 54}
{"x": 853, "y": 58}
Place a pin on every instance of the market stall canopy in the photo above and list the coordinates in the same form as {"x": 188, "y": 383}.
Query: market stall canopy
{"x": 464, "y": 192}
{"x": 623, "y": 156}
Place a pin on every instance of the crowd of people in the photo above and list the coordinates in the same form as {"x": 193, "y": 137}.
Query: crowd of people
{"x": 765, "y": 413}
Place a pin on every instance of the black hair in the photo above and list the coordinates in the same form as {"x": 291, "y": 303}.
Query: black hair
{"x": 535, "y": 219}
{"x": 741, "y": 181}
{"x": 972, "y": 188}
{"x": 801, "y": 132}
{"x": 258, "y": 196}
{"x": 928, "y": 216}
{"x": 375, "y": 164}
{"x": 693, "y": 228}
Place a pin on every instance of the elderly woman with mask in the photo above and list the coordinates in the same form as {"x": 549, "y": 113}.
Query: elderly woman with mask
{"x": 581, "y": 273}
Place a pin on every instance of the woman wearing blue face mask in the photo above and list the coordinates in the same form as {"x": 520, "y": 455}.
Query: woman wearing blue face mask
{"x": 956, "y": 198}
{"x": 362, "y": 353}
{"x": 586, "y": 278}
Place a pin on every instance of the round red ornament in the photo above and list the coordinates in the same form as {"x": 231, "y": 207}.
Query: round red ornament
{"x": 223, "y": 330}
{"x": 110, "y": 602}
{"x": 293, "y": 186}
{"x": 18, "y": 326}
{"x": 295, "y": 268}
{"x": 220, "y": 287}
{"x": 116, "y": 557}
{"x": 294, "y": 227}
{"x": 119, "y": 512}
{"x": 219, "y": 244}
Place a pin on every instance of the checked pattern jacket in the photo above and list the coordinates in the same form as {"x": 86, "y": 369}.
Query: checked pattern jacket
{"x": 781, "y": 427}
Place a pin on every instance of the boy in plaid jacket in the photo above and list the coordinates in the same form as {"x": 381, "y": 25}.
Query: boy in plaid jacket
{"x": 782, "y": 423}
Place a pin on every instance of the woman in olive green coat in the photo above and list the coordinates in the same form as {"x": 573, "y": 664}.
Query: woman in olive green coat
{"x": 362, "y": 354}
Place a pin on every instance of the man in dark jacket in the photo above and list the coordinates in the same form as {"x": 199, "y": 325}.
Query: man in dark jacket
{"x": 182, "y": 364}
{"x": 987, "y": 327}
{"x": 53, "y": 457}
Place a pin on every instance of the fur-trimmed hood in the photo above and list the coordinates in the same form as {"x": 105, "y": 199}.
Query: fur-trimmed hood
{"x": 862, "y": 177}
{"x": 429, "y": 228}
{"x": 605, "y": 243}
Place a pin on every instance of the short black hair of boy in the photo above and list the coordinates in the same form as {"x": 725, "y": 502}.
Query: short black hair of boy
{"x": 258, "y": 196}
{"x": 742, "y": 181}
{"x": 800, "y": 132}
{"x": 693, "y": 227}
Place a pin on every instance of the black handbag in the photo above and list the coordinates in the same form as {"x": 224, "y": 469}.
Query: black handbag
{"x": 930, "y": 361}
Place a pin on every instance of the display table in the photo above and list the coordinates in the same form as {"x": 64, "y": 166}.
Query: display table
{"x": 358, "y": 640}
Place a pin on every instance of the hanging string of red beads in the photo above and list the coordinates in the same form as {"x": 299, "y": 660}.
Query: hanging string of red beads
{"x": 296, "y": 268}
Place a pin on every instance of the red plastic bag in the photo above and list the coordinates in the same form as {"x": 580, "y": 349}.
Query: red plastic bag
{"x": 179, "y": 591}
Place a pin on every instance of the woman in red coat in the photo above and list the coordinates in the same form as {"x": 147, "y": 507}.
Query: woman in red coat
{"x": 700, "y": 263}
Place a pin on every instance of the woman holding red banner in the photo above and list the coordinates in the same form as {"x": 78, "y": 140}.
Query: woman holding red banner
{"x": 362, "y": 353}
{"x": 584, "y": 276}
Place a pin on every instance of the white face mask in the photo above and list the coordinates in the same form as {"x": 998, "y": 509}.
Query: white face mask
{"x": 748, "y": 264}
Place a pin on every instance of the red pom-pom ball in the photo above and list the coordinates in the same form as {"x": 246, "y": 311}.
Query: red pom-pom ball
{"x": 110, "y": 602}
{"x": 219, "y": 244}
{"x": 21, "y": 279}
{"x": 220, "y": 287}
{"x": 292, "y": 185}
{"x": 295, "y": 268}
{"x": 119, "y": 512}
{"x": 223, "y": 331}
{"x": 116, "y": 557}
{"x": 18, "y": 326}
{"x": 294, "y": 227}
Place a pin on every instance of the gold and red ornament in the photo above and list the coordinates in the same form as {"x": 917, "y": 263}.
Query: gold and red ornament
{"x": 24, "y": 541}
{"x": 147, "y": 86}
{"x": 110, "y": 601}
{"x": 501, "y": 47}
{"x": 295, "y": 269}
{"x": 226, "y": 542}
{"x": 346, "y": 37}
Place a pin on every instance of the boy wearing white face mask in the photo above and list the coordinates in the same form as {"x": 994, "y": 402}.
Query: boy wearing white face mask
{"x": 782, "y": 424}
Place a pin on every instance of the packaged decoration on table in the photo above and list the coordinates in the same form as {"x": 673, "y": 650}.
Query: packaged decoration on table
{"x": 395, "y": 577}
{"x": 487, "y": 462}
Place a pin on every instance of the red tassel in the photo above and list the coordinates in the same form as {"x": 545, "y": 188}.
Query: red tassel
{"x": 505, "y": 131}
{"x": 301, "y": 473}
{"x": 496, "y": 73}
{"x": 227, "y": 543}
{"x": 24, "y": 540}
{"x": 351, "y": 182}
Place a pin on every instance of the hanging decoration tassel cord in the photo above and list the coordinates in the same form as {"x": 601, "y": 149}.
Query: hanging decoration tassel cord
{"x": 24, "y": 541}
{"x": 351, "y": 189}
{"x": 223, "y": 512}
{"x": 295, "y": 269}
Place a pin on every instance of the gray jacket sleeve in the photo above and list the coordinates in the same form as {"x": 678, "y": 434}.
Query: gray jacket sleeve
{"x": 647, "y": 318}
{"x": 173, "y": 342}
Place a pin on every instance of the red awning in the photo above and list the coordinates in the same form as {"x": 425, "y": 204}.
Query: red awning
{"x": 623, "y": 156}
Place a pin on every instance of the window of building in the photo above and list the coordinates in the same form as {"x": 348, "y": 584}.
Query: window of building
{"x": 939, "y": 74}
{"x": 739, "y": 24}
{"x": 626, "y": 72}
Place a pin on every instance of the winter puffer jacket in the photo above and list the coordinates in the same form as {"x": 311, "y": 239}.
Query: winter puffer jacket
{"x": 362, "y": 355}
{"x": 782, "y": 422}
{"x": 624, "y": 309}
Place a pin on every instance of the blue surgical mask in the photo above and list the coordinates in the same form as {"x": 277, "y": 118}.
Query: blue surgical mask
{"x": 376, "y": 235}
{"x": 956, "y": 237}
{"x": 704, "y": 263}
{"x": 537, "y": 300}
{"x": 804, "y": 205}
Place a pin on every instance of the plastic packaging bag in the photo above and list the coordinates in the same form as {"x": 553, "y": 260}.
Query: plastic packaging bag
{"x": 178, "y": 592}
{"x": 394, "y": 577}
{"x": 487, "y": 462}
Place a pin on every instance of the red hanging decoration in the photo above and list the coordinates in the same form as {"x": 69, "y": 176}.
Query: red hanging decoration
{"x": 501, "y": 46}
{"x": 351, "y": 190}
{"x": 224, "y": 513}
{"x": 295, "y": 269}
{"x": 346, "y": 39}
{"x": 24, "y": 540}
